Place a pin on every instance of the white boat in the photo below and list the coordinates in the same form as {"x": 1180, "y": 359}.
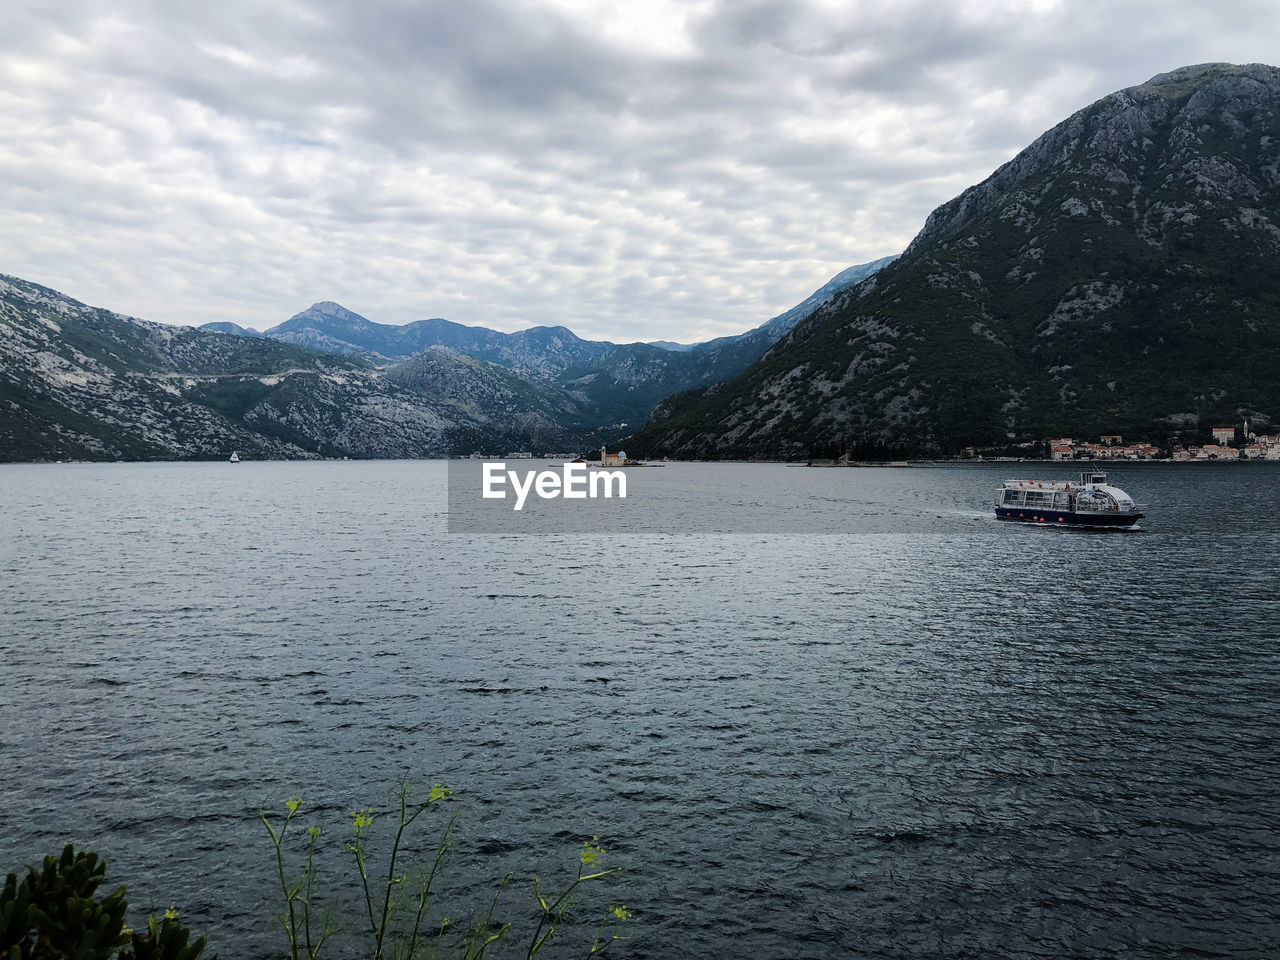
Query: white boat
{"x": 1090, "y": 502}
{"x": 235, "y": 457}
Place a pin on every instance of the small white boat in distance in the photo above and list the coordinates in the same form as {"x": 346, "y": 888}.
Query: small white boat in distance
{"x": 235, "y": 457}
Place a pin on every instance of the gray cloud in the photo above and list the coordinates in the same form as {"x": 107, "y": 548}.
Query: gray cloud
{"x": 504, "y": 163}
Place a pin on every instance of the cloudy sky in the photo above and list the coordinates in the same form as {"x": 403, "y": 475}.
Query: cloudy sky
{"x": 637, "y": 169}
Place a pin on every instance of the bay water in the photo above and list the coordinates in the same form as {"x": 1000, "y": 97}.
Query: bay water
{"x": 944, "y": 737}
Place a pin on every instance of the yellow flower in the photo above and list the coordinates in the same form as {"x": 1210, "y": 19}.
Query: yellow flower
{"x": 591, "y": 851}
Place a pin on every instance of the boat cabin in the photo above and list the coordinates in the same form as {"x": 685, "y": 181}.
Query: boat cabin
{"x": 1037, "y": 498}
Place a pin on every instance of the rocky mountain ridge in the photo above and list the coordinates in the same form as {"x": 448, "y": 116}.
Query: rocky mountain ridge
{"x": 79, "y": 382}
{"x": 1120, "y": 275}
{"x": 617, "y": 385}
{"x": 536, "y": 352}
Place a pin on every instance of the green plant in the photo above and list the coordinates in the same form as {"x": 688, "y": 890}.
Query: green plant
{"x": 53, "y": 912}
{"x": 380, "y": 917}
{"x": 165, "y": 939}
{"x": 297, "y": 893}
{"x": 396, "y": 905}
{"x": 590, "y": 857}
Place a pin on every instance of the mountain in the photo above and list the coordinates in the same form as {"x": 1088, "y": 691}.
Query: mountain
{"x": 782, "y": 324}
{"x": 615, "y": 384}
{"x": 505, "y": 409}
{"x": 540, "y": 352}
{"x": 80, "y": 382}
{"x": 627, "y": 382}
{"x": 537, "y": 352}
{"x": 226, "y": 326}
{"x": 1119, "y": 275}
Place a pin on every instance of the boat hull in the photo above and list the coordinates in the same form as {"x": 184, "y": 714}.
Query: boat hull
{"x": 1065, "y": 518}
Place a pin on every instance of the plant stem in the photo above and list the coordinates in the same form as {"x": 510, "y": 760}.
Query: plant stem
{"x": 424, "y": 895}
{"x": 306, "y": 904}
{"x": 364, "y": 880}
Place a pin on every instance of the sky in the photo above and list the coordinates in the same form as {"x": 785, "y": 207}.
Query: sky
{"x": 636, "y": 170}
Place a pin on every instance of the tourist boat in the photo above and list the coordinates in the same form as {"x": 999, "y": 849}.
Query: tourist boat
{"x": 1090, "y": 502}
{"x": 235, "y": 456}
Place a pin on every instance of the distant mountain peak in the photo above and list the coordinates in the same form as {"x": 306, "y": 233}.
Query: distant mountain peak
{"x": 328, "y": 310}
{"x": 1113, "y": 137}
{"x": 226, "y": 326}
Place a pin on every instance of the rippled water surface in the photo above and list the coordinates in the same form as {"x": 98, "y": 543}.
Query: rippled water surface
{"x": 980, "y": 740}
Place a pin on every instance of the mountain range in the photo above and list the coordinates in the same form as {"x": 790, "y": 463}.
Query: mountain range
{"x": 81, "y": 382}
{"x": 618, "y": 384}
{"x": 1120, "y": 275}
{"x": 536, "y": 352}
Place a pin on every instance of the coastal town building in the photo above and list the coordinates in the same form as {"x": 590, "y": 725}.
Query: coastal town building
{"x": 1263, "y": 447}
{"x": 1110, "y": 448}
{"x": 1258, "y": 447}
{"x": 1213, "y": 451}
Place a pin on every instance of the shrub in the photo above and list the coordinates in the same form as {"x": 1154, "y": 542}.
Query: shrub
{"x": 53, "y": 912}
